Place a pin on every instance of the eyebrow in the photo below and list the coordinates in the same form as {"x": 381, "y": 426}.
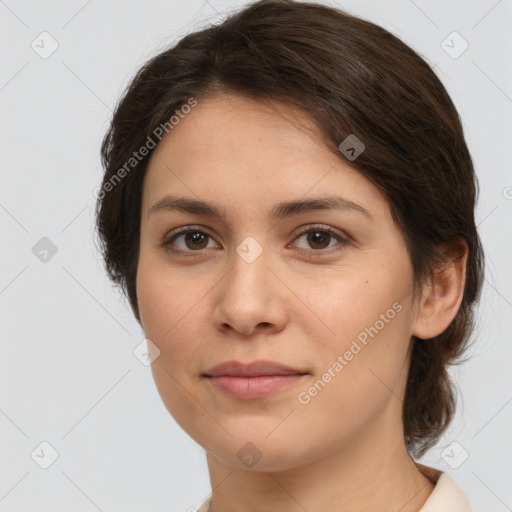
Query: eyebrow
{"x": 279, "y": 211}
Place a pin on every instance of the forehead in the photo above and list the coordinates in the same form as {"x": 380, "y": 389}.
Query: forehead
{"x": 229, "y": 124}
{"x": 240, "y": 150}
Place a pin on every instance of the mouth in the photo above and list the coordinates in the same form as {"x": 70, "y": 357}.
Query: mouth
{"x": 254, "y": 380}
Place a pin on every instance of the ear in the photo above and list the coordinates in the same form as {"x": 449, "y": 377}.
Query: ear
{"x": 442, "y": 296}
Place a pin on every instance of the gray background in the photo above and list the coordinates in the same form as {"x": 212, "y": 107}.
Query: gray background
{"x": 68, "y": 375}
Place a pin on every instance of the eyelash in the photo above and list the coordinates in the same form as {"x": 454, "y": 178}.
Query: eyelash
{"x": 167, "y": 243}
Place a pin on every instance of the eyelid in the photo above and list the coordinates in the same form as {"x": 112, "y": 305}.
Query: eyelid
{"x": 321, "y": 227}
{"x": 186, "y": 229}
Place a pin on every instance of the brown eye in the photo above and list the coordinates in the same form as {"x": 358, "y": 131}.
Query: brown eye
{"x": 319, "y": 238}
{"x": 187, "y": 240}
{"x": 196, "y": 240}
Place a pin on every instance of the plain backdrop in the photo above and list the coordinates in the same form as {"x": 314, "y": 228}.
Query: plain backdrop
{"x": 68, "y": 376}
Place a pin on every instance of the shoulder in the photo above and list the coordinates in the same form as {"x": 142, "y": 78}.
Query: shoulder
{"x": 447, "y": 496}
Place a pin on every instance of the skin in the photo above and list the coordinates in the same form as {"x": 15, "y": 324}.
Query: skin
{"x": 344, "y": 450}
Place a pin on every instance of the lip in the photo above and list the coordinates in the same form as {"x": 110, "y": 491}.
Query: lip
{"x": 252, "y": 369}
{"x": 253, "y": 380}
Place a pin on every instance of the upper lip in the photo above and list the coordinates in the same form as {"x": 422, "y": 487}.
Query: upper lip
{"x": 253, "y": 369}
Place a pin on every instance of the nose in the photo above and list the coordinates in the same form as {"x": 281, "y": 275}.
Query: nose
{"x": 251, "y": 298}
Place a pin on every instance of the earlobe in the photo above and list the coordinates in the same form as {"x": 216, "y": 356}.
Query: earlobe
{"x": 442, "y": 297}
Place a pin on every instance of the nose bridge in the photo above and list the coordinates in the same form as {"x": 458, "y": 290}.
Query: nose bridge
{"x": 247, "y": 296}
{"x": 250, "y": 261}
{"x": 250, "y": 250}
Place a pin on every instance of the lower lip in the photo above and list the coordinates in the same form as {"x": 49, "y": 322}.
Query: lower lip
{"x": 253, "y": 387}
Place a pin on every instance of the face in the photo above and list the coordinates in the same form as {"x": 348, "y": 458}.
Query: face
{"x": 327, "y": 292}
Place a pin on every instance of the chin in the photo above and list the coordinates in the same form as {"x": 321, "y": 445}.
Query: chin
{"x": 258, "y": 454}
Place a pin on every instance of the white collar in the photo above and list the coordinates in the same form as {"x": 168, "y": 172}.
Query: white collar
{"x": 447, "y": 496}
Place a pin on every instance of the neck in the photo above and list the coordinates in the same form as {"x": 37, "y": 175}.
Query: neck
{"x": 358, "y": 476}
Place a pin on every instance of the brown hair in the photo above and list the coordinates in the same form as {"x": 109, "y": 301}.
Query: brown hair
{"x": 351, "y": 77}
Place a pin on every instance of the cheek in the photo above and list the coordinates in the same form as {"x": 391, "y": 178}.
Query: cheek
{"x": 366, "y": 334}
{"x": 356, "y": 383}
{"x": 350, "y": 302}
{"x": 161, "y": 294}
{"x": 167, "y": 311}
{"x": 167, "y": 304}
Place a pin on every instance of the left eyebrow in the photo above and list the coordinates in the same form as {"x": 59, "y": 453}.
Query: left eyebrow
{"x": 285, "y": 209}
{"x": 279, "y": 211}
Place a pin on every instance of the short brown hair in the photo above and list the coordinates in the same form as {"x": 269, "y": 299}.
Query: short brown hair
{"x": 351, "y": 77}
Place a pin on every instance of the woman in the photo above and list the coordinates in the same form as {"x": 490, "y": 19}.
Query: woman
{"x": 288, "y": 204}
